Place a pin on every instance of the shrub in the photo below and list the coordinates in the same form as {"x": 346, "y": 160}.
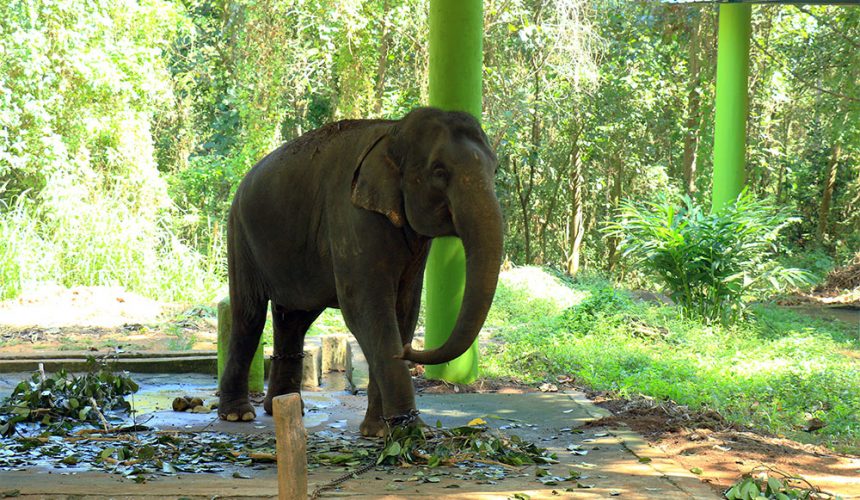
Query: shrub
{"x": 710, "y": 263}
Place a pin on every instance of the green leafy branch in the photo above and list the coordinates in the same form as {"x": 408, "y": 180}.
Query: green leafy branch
{"x": 773, "y": 484}
{"x": 63, "y": 401}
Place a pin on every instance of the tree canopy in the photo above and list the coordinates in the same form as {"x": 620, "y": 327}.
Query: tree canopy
{"x": 145, "y": 114}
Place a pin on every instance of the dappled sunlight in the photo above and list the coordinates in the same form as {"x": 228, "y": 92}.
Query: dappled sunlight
{"x": 541, "y": 285}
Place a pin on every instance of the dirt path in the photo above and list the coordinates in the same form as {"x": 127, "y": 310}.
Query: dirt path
{"x": 53, "y": 318}
{"x": 725, "y": 452}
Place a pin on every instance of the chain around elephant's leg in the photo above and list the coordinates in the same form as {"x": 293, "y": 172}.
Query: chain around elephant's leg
{"x": 285, "y": 372}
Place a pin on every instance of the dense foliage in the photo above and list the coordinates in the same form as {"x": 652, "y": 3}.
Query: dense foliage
{"x": 127, "y": 125}
{"x": 710, "y": 263}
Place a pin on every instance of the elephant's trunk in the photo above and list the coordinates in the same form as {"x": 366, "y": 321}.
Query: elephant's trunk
{"x": 478, "y": 221}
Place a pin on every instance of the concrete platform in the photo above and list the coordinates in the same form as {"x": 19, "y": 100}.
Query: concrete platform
{"x": 610, "y": 467}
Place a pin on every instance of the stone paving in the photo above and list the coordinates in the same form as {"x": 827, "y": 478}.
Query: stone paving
{"x": 617, "y": 462}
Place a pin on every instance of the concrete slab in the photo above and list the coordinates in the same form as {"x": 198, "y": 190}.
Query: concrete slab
{"x": 610, "y": 466}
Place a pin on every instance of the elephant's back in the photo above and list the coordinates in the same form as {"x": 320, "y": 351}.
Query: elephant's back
{"x": 280, "y": 209}
{"x": 315, "y": 140}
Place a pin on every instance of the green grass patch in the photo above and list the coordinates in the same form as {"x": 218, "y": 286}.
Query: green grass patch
{"x": 775, "y": 371}
{"x": 102, "y": 241}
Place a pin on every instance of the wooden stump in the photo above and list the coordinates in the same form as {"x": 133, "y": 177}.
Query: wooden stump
{"x": 311, "y": 368}
{"x": 292, "y": 447}
{"x": 336, "y": 354}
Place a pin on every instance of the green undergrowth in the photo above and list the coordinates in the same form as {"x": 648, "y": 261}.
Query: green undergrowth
{"x": 776, "y": 372}
{"x": 100, "y": 241}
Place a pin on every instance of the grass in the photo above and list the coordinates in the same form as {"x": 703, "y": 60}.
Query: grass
{"x": 104, "y": 242}
{"x": 773, "y": 372}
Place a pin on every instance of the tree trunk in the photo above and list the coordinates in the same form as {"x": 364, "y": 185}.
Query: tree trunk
{"x": 829, "y": 184}
{"x": 576, "y": 227}
{"x": 382, "y": 62}
{"x": 780, "y": 183}
{"x": 691, "y": 137}
{"x": 524, "y": 197}
{"x": 614, "y": 200}
{"x": 550, "y": 211}
{"x": 532, "y": 161}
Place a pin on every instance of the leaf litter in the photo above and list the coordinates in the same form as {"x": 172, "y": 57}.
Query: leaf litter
{"x": 76, "y": 423}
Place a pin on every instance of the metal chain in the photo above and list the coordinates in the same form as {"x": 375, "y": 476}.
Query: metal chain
{"x": 298, "y": 355}
{"x": 405, "y": 419}
{"x": 394, "y": 421}
{"x": 335, "y": 482}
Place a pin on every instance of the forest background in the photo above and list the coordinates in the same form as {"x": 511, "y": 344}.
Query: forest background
{"x": 126, "y": 125}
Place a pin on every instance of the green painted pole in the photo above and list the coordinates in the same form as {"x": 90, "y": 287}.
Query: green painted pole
{"x": 256, "y": 377}
{"x": 733, "y": 50}
{"x": 456, "y": 67}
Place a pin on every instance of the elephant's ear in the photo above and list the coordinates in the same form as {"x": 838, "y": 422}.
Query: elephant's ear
{"x": 376, "y": 182}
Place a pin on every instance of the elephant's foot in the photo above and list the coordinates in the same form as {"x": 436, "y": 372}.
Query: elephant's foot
{"x": 374, "y": 426}
{"x": 267, "y": 403}
{"x": 238, "y": 410}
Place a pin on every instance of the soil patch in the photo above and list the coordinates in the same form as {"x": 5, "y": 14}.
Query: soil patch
{"x": 725, "y": 451}
{"x": 840, "y": 287}
{"x": 97, "y": 319}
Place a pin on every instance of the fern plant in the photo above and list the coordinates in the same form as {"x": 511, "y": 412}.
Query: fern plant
{"x": 710, "y": 263}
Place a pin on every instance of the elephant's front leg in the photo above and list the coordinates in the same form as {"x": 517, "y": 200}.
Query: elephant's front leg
{"x": 285, "y": 372}
{"x": 373, "y": 423}
{"x": 391, "y": 396}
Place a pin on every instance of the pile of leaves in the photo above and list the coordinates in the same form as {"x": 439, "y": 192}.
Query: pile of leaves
{"x": 473, "y": 442}
{"x": 765, "y": 482}
{"x": 63, "y": 401}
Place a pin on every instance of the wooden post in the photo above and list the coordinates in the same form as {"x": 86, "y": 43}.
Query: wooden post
{"x": 292, "y": 447}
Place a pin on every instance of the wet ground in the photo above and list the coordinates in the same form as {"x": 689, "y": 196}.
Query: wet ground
{"x": 609, "y": 462}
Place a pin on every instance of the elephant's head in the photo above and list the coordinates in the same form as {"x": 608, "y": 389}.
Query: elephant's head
{"x": 434, "y": 172}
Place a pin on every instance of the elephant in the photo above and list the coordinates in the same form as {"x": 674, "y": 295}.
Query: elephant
{"x": 343, "y": 217}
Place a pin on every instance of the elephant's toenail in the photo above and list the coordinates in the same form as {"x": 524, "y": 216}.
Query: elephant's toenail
{"x": 232, "y": 417}
{"x": 248, "y": 416}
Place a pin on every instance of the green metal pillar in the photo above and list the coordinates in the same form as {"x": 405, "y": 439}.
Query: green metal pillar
{"x": 733, "y": 49}
{"x": 256, "y": 376}
{"x": 456, "y": 66}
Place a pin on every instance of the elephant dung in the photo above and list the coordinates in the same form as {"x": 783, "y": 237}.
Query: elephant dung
{"x": 312, "y": 368}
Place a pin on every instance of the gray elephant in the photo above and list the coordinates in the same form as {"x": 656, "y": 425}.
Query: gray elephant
{"x": 343, "y": 217}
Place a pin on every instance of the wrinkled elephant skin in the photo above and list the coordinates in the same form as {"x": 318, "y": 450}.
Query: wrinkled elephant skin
{"x": 343, "y": 217}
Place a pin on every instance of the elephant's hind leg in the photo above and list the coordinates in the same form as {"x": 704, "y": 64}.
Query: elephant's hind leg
{"x": 249, "y": 317}
{"x": 285, "y": 373}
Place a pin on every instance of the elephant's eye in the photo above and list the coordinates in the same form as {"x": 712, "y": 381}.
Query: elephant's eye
{"x": 439, "y": 171}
